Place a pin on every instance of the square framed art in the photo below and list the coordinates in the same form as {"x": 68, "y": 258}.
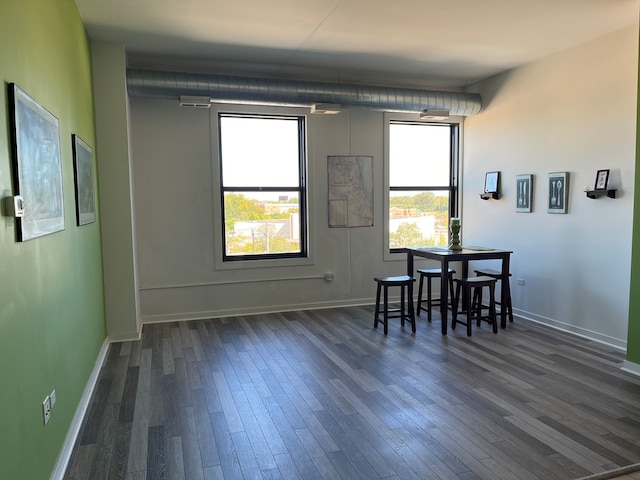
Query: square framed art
{"x": 491, "y": 182}
{"x": 37, "y": 166}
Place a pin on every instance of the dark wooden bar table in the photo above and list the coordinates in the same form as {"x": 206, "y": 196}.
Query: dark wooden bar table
{"x": 445, "y": 256}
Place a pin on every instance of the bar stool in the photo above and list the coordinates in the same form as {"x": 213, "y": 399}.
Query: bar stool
{"x": 489, "y": 272}
{"x": 404, "y": 282}
{"x": 471, "y": 289}
{"x": 429, "y": 274}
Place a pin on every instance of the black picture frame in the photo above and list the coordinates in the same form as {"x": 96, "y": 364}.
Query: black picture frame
{"x": 602, "y": 180}
{"x": 83, "y": 179}
{"x": 524, "y": 185}
{"x": 491, "y": 182}
{"x": 37, "y": 166}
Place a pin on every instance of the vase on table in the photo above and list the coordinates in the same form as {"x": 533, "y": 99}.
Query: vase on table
{"x": 455, "y": 236}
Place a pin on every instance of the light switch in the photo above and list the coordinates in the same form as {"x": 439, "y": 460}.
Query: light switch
{"x": 14, "y": 206}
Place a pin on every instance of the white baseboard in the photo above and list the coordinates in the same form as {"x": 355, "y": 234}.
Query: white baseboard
{"x": 125, "y": 337}
{"x": 203, "y": 315}
{"x": 76, "y": 423}
{"x": 631, "y": 367}
{"x": 616, "y": 343}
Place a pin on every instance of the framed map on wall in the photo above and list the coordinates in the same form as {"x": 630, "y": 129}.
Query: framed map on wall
{"x": 37, "y": 166}
{"x": 350, "y": 179}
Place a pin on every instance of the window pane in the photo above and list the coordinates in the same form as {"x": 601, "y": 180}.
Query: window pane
{"x": 418, "y": 218}
{"x": 259, "y": 152}
{"x": 259, "y": 223}
{"x": 419, "y": 155}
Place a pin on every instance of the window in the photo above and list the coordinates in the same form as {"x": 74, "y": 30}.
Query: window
{"x": 262, "y": 161}
{"x": 422, "y": 183}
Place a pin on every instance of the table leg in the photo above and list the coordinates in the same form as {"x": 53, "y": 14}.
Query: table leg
{"x": 504, "y": 290}
{"x": 444, "y": 293}
{"x": 409, "y": 263}
{"x": 464, "y": 274}
{"x": 412, "y": 313}
{"x": 410, "y": 273}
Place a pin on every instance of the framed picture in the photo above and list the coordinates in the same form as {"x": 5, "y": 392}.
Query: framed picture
{"x": 350, "y": 184}
{"x": 602, "y": 179}
{"x": 524, "y": 183}
{"x": 491, "y": 181}
{"x": 35, "y": 136}
{"x": 558, "y": 192}
{"x": 83, "y": 176}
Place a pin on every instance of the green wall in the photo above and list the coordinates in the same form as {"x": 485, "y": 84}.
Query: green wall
{"x": 633, "y": 336}
{"x": 52, "y": 322}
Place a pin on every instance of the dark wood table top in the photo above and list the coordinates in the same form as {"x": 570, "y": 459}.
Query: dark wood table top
{"x": 466, "y": 253}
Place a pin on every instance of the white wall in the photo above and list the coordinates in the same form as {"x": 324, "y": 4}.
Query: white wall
{"x": 574, "y": 112}
{"x": 114, "y": 188}
{"x": 571, "y": 112}
{"x": 177, "y": 226}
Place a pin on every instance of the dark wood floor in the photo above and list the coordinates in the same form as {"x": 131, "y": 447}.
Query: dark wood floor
{"x": 322, "y": 395}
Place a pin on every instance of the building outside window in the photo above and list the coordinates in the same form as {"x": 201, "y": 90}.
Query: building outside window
{"x": 423, "y": 159}
{"x": 263, "y": 186}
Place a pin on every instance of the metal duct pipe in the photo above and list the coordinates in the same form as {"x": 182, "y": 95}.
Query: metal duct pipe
{"x": 223, "y": 88}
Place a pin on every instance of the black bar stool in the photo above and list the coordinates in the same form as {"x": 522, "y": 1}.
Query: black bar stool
{"x": 429, "y": 274}
{"x": 471, "y": 289}
{"x": 404, "y": 282}
{"x": 489, "y": 272}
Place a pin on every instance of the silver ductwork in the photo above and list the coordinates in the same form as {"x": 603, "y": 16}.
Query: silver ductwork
{"x": 229, "y": 89}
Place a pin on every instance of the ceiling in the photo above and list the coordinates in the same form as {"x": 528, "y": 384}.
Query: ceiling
{"x": 419, "y": 43}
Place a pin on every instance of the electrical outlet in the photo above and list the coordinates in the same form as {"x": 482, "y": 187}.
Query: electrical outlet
{"x": 52, "y": 397}
{"x": 46, "y": 409}
{"x": 520, "y": 281}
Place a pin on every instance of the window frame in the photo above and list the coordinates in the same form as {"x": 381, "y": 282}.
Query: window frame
{"x": 452, "y": 188}
{"x": 304, "y": 257}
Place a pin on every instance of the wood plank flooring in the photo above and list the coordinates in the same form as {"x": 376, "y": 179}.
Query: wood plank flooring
{"x": 320, "y": 394}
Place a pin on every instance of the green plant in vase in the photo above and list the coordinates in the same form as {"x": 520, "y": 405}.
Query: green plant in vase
{"x": 455, "y": 234}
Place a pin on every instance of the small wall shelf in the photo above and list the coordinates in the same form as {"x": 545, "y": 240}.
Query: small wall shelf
{"x": 487, "y": 196}
{"x": 601, "y": 193}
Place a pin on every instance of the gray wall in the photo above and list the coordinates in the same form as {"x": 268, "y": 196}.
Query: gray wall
{"x": 114, "y": 177}
{"x": 177, "y": 224}
{"x": 571, "y": 112}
